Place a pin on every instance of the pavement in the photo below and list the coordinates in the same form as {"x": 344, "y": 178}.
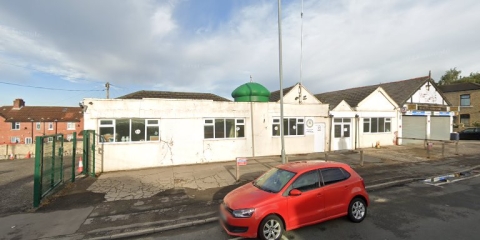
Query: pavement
{"x": 132, "y": 203}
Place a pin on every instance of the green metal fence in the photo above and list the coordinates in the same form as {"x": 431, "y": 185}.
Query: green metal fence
{"x": 89, "y": 152}
{"x": 54, "y": 164}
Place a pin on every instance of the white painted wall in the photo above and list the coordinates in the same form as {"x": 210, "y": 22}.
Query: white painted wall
{"x": 181, "y": 131}
{"x": 377, "y": 104}
{"x": 427, "y": 95}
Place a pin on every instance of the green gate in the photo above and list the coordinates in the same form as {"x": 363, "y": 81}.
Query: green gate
{"x": 52, "y": 164}
{"x": 89, "y": 152}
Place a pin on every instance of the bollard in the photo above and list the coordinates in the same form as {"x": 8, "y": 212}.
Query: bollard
{"x": 326, "y": 157}
{"x": 456, "y": 148}
{"x": 361, "y": 158}
{"x": 428, "y": 150}
{"x": 443, "y": 149}
{"x": 238, "y": 173}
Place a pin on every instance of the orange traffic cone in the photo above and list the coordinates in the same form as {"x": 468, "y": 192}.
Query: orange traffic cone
{"x": 80, "y": 165}
{"x": 29, "y": 155}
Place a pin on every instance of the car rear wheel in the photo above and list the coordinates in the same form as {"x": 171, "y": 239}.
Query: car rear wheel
{"x": 357, "y": 210}
{"x": 271, "y": 228}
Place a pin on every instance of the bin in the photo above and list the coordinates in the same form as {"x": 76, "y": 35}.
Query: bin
{"x": 454, "y": 136}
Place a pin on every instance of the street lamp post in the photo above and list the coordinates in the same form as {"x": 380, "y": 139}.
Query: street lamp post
{"x": 280, "y": 67}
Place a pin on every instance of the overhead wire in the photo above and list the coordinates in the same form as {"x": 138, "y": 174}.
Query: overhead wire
{"x": 48, "y": 88}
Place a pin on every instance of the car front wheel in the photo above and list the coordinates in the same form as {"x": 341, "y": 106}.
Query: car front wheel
{"x": 357, "y": 210}
{"x": 271, "y": 228}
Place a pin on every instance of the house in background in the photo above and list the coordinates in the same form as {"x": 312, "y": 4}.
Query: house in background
{"x": 152, "y": 129}
{"x": 401, "y": 112}
{"x": 467, "y": 97}
{"x": 21, "y": 124}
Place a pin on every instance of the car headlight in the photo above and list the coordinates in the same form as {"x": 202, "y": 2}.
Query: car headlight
{"x": 243, "y": 213}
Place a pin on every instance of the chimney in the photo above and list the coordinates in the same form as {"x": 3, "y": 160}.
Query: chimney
{"x": 18, "y": 103}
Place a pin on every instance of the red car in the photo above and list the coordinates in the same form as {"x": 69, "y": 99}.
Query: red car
{"x": 294, "y": 195}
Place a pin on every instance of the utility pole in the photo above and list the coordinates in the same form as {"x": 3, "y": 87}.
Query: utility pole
{"x": 107, "y": 86}
{"x": 280, "y": 67}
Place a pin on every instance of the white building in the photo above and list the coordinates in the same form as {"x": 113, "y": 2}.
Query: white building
{"x": 151, "y": 129}
{"x": 402, "y": 112}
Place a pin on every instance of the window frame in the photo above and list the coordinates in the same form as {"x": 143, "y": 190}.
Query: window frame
{"x": 15, "y": 125}
{"x": 110, "y": 125}
{"x": 211, "y": 123}
{"x": 387, "y": 121}
{"x": 50, "y": 125}
{"x": 14, "y": 139}
{"x": 466, "y": 98}
{"x": 299, "y": 124}
{"x": 38, "y": 126}
{"x": 69, "y": 125}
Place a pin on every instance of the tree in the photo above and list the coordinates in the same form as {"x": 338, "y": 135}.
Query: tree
{"x": 450, "y": 77}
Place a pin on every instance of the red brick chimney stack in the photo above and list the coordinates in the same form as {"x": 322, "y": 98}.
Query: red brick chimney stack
{"x": 18, "y": 103}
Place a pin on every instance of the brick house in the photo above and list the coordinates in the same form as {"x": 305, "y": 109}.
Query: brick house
{"x": 21, "y": 124}
{"x": 467, "y": 96}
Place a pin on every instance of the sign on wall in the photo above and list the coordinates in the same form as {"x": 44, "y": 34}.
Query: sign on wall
{"x": 309, "y": 130}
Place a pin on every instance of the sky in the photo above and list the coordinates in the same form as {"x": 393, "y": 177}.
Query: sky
{"x": 56, "y": 53}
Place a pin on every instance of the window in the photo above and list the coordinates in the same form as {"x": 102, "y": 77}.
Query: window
{"x": 38, "y": 126}
{"x": 291, "y": 126}
{"x": 465, "y": 100}
{"x": 377, "y": 125}
{"x": 28, "y": 140}
{"x": 50, "y": 126}
{"x": 465, "y": 119}
{"x": 129, "y": 130}
{"x": 308, "y": 181}
{"x": 224, "y": 128}
{"x": 15, "y": 125}
{"x": 333, "y": 175}
{"x": 70, "y": 126}
{"x": 366, "y": 125}
{"x": 15, "y": 140}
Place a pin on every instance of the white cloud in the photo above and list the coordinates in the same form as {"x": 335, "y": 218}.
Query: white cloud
{"x": 346, "y": 43}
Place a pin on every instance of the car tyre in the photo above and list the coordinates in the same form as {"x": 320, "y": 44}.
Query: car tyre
{"x": 271, "y": 228}
{"x": 357, "y": 210}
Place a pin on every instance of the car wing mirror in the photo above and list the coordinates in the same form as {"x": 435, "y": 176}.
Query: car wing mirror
{"x": 295, "y": 192}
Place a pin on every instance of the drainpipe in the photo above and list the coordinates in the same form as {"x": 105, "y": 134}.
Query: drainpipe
{"x": 251, "y": 123}
{"x": 356, "y": 131}
{"x": 331, "y": 124}
{"x": 32, "y": 131}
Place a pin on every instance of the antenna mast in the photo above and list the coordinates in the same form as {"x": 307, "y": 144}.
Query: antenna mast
{"x": 301, "y": 44}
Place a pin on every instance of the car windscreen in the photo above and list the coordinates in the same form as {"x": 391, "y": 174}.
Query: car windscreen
{"x": 273, "y": 180}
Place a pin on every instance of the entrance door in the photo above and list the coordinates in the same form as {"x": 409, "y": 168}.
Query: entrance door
{"x": 342, "y": 133}
{"x": 319, "y": 139}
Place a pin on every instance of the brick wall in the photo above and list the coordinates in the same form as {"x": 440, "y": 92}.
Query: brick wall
{"x": 21, "y": 150}
{"x": 31, "y": 130}
{"x": 473, "y": 110}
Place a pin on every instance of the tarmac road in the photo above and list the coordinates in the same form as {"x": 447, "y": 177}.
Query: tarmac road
{"x": 413, "y": 211}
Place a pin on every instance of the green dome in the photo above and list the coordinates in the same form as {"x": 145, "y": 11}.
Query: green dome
{"x": 251, "y": 92}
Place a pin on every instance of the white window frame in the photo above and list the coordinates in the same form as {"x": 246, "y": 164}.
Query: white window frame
{"x": 298, "y": 121}
{"x": 50, "y": 126}
{"x": 70, "y": 125}
{"x": 148, "y": 122}
{"x": 369, "y": 122}
{"x": 239, "y": 125}
{"x": 28, "y": 140}
{"x": 15, "y": 125}
{"x": 14, "y": 139}
{"x": 38, "y": 125}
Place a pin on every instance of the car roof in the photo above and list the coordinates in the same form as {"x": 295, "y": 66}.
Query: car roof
{"x": 303, "y": 166}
